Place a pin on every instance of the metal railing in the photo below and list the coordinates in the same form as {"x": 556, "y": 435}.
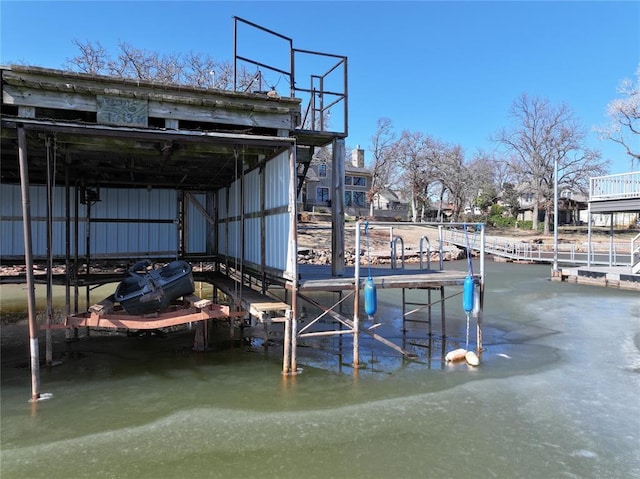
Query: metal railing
{"x": 635, "y": 254}
{"x": 615, "y": 187}
{"x": 394, "y": 252}
{"x": 325, "y": 91}
{"x": 474, "y": 235}
{"x": 613, "y": 254}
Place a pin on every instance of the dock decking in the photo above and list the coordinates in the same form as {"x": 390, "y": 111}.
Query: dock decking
{"x": 317, "y": 278}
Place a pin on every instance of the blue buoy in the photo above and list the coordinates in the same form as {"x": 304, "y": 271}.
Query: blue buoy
{"x": 370, "y": 300}
{"x": 467, "y": 294}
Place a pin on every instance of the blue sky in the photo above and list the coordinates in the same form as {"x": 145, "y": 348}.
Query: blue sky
{"x": 447, "y": 69}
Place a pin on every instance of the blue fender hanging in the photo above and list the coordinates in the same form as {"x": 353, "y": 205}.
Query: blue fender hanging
{"x": 370, "y": 299}
{"x": 468, "y": 294}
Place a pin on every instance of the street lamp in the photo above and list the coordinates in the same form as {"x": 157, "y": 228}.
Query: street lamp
{"x": 555, "y": 215}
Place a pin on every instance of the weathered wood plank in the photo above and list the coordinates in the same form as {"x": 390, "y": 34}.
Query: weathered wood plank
{"x": 161, "y": 320}
{"x": 256, "y": 303}
{"x": 103, "y": 307}
{"x": 47, "y": 99}
{"x": 223, "y": 112}
{"x": 196, "y": 302}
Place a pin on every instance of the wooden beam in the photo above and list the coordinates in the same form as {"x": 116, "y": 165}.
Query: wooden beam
{"x": 161, "y": 320}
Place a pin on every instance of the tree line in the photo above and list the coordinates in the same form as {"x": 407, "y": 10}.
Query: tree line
{"x": 192, "y": 68}
{"x": 542, "y": 138}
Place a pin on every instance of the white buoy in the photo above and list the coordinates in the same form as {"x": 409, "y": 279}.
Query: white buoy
{"x": 455, "y": 355}
{"x": 472, "y": 358}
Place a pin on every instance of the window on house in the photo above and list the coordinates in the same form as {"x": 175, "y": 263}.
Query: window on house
{"x": 347, "y": 198}
{"x": 348, "y": 180}
{"x": 322, "y": 195}
{"x": 359, "y": 181}
{"x": 322, "y": 170}
{"x": 359, "y": 198}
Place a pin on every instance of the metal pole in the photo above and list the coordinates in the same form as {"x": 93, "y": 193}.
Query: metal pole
{"x": 28, "y": 257}
{"x": 292, "y": 71}
{"x": 356, "y": 302}
{"x": 286, "y": 355}
{"x": 49, "y": 319}
{"x": 67, "y": 251}
{"x": 235, "y": 53}
{"x": 294, "y": 343}
{"x": 589, "y": 234}
{"x": 87, "y": 237}
{"x": 611, "y": 242}
{"x": 555, "y": 215}
{"x": 481, "y": 295}
{"x": 440, "y": 251}
{"x": 76, "y": 252}
{"x": 293, "y": 235}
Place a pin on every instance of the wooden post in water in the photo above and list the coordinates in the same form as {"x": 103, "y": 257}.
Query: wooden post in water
{"x": 337, "y": 209}
{"x": 28, "y": 257}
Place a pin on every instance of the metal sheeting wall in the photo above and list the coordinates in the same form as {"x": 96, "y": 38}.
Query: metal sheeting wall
{"x": 233, "y": 221}
{"x": 144, "y": 236}
{"x": 196, "y": 226}
{"x": 252, "y": 209}
{"x": 221, "y": 227}
{"x": 148, "y": 226}
{"x": 11, "y": 230}
{"x": 277, "y": 225}
{"x": 276, "y": 216}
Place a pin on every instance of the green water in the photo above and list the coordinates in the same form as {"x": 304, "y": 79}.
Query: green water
{"x": 556, "y": 396}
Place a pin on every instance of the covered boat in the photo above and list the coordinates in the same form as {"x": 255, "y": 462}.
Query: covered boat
{"x": 147, "y": 290}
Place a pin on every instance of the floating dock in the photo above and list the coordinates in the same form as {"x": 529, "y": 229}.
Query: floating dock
{"x": 619, "y": 277}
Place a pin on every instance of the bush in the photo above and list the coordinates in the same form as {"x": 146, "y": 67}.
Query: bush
{"x": 524, "y": 225}
{"x": 502, "y": 221}
{"x": 496, "y": 210}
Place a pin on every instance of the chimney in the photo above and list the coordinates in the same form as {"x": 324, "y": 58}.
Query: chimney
{"x": 357, "y": 157}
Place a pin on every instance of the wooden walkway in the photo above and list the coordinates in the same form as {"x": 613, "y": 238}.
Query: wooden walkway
{"x": 254, "y": 302}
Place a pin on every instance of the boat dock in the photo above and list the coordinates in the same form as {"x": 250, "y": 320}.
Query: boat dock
{"x": 619, "y": 277}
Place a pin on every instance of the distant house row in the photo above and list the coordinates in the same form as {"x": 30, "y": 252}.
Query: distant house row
{"x": 317, "y": 194}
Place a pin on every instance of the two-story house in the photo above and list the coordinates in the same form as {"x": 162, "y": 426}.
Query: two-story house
{"x": 317, "y": 192}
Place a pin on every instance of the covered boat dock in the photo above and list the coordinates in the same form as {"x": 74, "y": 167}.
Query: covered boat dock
{"x": 99, "y": 170}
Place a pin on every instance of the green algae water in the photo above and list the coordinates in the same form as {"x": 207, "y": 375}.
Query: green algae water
{"x": 556, "y": 396}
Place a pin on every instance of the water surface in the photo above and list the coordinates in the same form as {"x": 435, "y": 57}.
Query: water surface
{"x": 555, "y": 396}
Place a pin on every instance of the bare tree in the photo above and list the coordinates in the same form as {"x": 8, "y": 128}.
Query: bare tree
{"x": 624, "y": 114}
{"x": 453, "y": 174}
{"x": 410, "y": 154}
{"x": 381, "y": 148}
{"x": 484, "y": 178}
{"x": 193, "y": 69}
{"x": 541, "y": 135}
{"x": 92, "y": 58}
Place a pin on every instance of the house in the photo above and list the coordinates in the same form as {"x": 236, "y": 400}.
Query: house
{"x": 572, "y": 206}
{"x": 318, "y": 192}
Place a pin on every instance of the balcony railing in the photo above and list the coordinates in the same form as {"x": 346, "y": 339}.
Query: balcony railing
{"x": 615, "y": 187}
